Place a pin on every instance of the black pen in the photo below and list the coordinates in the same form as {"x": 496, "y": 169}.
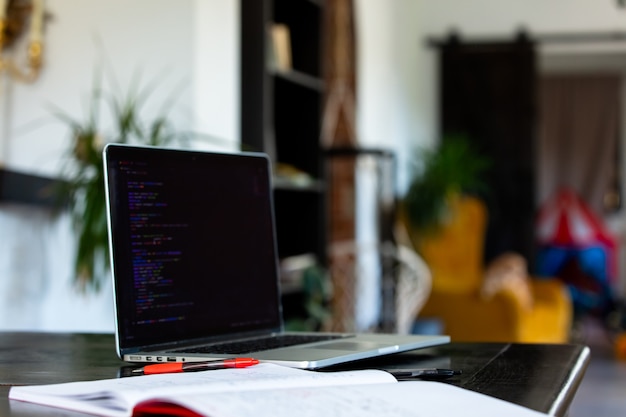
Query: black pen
{"x": 423, "y": 373}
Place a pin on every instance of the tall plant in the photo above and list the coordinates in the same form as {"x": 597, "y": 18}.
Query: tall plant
{"x": 82, "y": 188}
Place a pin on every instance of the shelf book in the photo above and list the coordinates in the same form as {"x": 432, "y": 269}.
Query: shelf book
{"x": 266, "y": 390}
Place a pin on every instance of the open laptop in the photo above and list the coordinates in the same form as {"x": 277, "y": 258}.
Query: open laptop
{"x": 195, "y": 268}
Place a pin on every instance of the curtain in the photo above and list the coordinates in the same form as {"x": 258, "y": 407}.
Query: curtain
{"x": 578, "y": 132}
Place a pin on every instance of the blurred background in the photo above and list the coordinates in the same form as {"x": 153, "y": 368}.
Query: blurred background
{"x": 314, "y": 83}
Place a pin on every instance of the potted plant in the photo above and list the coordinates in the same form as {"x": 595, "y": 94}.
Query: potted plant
{"x": 82, "y": 187}
{"x": 450, "y": 169}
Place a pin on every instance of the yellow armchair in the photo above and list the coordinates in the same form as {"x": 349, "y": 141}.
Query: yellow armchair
{"x": 533, "y": 311}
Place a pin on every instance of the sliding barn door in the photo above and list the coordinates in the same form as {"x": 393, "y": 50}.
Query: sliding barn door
{"x": 488, "y": 94}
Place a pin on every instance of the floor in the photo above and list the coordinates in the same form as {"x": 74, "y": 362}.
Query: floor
{"x": 602, "y": 392}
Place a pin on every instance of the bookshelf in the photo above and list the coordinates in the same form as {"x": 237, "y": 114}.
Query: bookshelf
{"x": 281, "y": 110}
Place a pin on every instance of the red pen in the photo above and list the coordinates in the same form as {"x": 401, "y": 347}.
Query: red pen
{"x": 174, "y": 367}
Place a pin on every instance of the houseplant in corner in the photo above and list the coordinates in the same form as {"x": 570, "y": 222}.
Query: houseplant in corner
{"x": 82, "y": 188}
{"x": 449, "y": 170}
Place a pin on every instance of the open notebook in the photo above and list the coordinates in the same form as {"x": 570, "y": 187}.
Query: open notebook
{"x": 195, "y": 269}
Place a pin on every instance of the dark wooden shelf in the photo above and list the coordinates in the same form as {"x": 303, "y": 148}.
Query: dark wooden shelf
{"x": 284, "y": 184}
{"x": 300, "y": 78}
{"x": 281, "y": 113}
{"x": 29, "y": 189}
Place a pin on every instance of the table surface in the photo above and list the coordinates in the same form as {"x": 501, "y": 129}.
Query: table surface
{"x": 541, "y": 377}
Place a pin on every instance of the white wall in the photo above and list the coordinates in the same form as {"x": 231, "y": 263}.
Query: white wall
{"x": 216, "y": 64}
{"x": 390, "y": 97}
{"x": 189, "y": 47}
{"x": 489, "y": 17}
{"x": 184, "y": 48}
{"x": 143, "y": 36}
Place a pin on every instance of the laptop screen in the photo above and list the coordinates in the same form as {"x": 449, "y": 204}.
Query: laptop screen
{"x": 193, "y": 244}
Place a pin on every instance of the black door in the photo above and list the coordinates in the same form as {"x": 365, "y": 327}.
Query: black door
{"x": 488, "y": 95}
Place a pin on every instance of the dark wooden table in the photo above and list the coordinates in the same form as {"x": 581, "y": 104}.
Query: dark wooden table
{"x": 541, "y": 377}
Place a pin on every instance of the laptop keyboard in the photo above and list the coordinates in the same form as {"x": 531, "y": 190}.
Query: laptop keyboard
{"x": 257, "y": 345}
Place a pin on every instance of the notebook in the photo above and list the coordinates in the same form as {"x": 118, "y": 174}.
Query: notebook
{"x": 195, "y": 266}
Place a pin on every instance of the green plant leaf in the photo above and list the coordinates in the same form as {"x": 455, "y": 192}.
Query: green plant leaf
{"x": 453, "y": 167}
{"x": 83, "y": 188}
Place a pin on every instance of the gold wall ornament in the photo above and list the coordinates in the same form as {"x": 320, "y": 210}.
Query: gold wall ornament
{"x": 15, "y": 17}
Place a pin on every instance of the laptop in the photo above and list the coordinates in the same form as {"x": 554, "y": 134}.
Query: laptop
{"x": 195, "y": 266}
